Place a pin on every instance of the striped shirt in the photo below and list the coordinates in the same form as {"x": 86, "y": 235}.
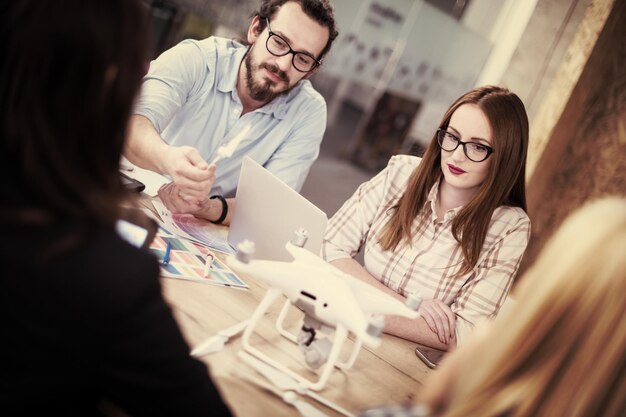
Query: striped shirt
{"x": 430, "y": 263}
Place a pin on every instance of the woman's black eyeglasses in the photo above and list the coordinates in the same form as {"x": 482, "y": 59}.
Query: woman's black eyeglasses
{"x": 475, "y": 151}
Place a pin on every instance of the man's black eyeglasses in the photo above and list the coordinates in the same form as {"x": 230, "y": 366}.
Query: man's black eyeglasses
{"x": 278, "y": 46}
{"x": 475, "y": 151}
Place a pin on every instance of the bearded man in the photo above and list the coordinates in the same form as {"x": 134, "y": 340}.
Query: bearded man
{"x": 199, "y": 95}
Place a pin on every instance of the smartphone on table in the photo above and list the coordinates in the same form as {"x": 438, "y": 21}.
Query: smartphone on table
{"x": 430, "y": 356}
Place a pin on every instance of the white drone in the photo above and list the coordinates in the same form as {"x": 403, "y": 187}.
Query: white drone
{"x": 329, "y": 298}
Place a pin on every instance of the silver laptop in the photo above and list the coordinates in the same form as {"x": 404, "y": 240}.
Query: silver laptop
{"x": 268, "y": 212}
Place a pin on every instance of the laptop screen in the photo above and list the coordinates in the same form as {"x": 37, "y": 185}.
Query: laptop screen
{"x": 268, "y": 212}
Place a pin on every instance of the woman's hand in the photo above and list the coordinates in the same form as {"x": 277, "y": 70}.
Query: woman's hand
{"x": 439, "y": 318}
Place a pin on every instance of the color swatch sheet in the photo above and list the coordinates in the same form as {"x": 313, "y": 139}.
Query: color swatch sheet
{"x": 187, "y": 260}
{"x": 190, "y": 227}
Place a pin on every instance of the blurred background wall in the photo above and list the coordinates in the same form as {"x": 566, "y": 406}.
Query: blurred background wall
{"x": 398, "y": 64}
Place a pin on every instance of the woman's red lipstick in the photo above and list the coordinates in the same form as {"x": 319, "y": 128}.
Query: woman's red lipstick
{"x": 455, "y": 170}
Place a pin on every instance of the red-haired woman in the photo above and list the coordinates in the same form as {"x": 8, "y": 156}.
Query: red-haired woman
{"x": 451, "y": 225}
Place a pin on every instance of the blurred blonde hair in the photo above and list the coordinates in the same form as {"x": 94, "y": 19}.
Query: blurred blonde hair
{"x": 561, "y": 350}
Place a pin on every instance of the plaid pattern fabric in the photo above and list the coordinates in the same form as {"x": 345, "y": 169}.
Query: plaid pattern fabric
{"x": 430, "y": 263}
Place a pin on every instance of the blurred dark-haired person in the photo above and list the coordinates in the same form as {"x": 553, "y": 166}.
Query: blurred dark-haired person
{"x": 451, "y": 225}
{"x": 81, "y": 311}
{"x": 200, "y": 95}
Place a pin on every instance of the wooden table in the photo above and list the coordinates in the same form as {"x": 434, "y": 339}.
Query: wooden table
{"x": 389, "y": 374}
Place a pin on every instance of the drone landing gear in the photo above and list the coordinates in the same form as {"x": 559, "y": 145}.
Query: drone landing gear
{"x": 333, "y": 352}
{"x": 316, "y": 350}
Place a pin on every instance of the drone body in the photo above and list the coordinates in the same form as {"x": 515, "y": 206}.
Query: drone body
{"x": 325, "y": 297}
{"x": 329, "y": 298}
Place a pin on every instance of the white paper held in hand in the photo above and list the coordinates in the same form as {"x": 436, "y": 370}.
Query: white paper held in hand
{"x": 226, "y": 151}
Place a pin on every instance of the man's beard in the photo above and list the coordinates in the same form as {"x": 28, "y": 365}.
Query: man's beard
{"x": 262, "y": 91}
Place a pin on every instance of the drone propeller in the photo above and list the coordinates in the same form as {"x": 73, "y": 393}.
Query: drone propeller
{"x": 306, "y": 409}
{"x": 287, "y": 383}
{"x": 216, "y": 343}
{"x": 290, "y": 397}
{"x": 278, "y": 378}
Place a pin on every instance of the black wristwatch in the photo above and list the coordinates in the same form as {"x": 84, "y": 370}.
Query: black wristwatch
{"x": 224, "y": 209}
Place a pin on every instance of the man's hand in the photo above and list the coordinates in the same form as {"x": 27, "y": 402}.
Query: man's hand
{"x": 191, "y": 174}
{"x": 209, "y": 209}
{"x": 440, "y": 319}
{"x": 172, "y": 196}
{"x": 146, "y": 149}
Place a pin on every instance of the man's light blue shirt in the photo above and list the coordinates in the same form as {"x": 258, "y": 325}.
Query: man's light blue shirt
{"x": 190, "y": 96}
